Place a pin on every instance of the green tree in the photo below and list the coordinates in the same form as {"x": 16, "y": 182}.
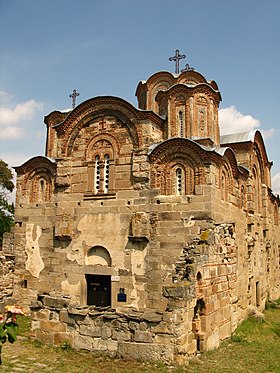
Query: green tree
{"x": 6, "y": 208}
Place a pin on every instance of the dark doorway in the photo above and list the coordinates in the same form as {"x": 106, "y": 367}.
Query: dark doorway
{"x": 98, "y": 290}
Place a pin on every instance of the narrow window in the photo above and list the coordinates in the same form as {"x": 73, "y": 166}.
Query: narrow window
{"x": 42, "y": 190}
{"x": 97, "y": 174}
{"x": 106, "y": 173}
{"x": 179, "y": 181}
{"x": 181, "y": 127}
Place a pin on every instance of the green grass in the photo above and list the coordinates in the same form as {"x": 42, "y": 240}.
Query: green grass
{"x": 253, "y": 348}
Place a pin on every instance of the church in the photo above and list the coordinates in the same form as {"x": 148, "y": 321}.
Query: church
{"x": 142, "y": 233}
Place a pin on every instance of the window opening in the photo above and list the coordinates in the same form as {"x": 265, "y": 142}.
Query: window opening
{"x": 181, "y": 127}
{"x": 106, "y": 173}
{"x": 179, "y": 181}
{"x": 97, "y": 174}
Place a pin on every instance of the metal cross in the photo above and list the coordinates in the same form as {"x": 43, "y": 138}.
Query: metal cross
{"x": 187, "y": 68}
{"x": 177, "y": 58}
{"x": 73, "y": 95}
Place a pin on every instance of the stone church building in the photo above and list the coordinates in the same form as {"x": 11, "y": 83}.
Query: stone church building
{"x": 143, "y": 233}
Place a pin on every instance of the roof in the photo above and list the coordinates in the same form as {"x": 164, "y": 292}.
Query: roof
{"x": 237, "y": 137}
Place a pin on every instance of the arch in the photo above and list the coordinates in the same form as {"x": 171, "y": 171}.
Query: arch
{"x": 96, "y": 107}
{"x": 226, "y": 181}
{"x": 256, "y": 189}
{"x": 166, "y": 157}
{"x": 38, "y": 178}
{"x": 98, "y": 255}
{"x": 40, "y": 186}
{"x": 103, "y": 141}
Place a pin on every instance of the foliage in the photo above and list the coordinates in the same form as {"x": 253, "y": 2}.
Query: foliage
{"x": 9, "y": 326}
{"x": 6, "y": 208}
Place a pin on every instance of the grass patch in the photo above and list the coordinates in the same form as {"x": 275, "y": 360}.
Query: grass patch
{"x": 253, "y": 348}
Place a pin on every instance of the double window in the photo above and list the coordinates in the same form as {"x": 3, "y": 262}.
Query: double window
{"x": 102, "y": 174}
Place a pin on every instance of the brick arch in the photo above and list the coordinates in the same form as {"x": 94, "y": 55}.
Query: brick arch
{"x": 158, "y": 78}
{"x": 259, "y": 160}
{"x": 189, "y": 176}
{"x": 40, "y": 186}
{"x": 226, "y": 179}
{"x": 34, "y": 171}
{"x": 256, "y": 187}
{"x": 191, "y": 77}
{"x": 230, "y": 157}
{"x": 173, "y": 153}
{"x": 35, "y": 163}
{"x": 92, "y": 109}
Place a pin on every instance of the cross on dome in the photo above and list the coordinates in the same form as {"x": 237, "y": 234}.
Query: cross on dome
{"x": 177, "y": 58}
{"x": 73, "y": 95}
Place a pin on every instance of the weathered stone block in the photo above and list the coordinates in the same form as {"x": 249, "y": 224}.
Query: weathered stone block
{"x": 56, "y": 302}
{"x": 146, "y": 351}
{"x": 91, "y": 330}
{"x": 82, "y": 342}
{"x": 152, "y": 316}
{"x": 143, "y": 336}
{"x": 64, "y": 317}
{"x": 121, "y": 335}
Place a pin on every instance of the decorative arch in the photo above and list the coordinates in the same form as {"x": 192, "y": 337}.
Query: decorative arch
{"x": 202, "y": 108}
{"x": 98, "y": 255}
{"x": 256, "y": 189}
{"x": 102, "y": 142}
{"x": 191, "y": 77}
{"x": 226, "y": 181}
{"x": 37, "y": 176}
{"x": 40, "y": 186}
{"x": 177, "y": 161}
{"x": 96, "y": 107}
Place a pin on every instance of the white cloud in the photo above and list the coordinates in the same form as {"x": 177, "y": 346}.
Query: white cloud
{"x": 23, "y": 111}
{"x": 232, "y": 121}
{"x": 276, "y": 183}
{"x": 9, "y": 133}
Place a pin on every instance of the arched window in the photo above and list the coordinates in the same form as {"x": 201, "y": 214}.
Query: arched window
{"x": 42, "y": 189}
{"x": 223, "y": 187}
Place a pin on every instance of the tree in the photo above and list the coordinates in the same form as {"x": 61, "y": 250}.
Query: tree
{"x": 6, "y": 208}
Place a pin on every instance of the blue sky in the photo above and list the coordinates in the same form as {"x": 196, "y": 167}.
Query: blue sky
{"x": 106, "y": 47}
